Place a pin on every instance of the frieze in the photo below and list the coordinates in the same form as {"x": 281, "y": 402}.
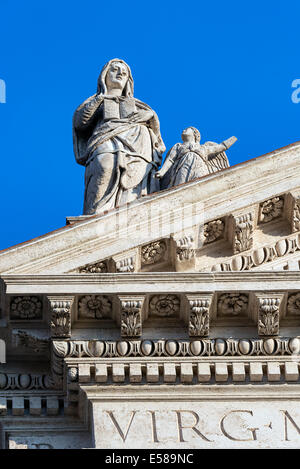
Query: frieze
{"x": 177, "y": 348}
{"x": 22, "y": 381}
{"x": 260, "y": 256}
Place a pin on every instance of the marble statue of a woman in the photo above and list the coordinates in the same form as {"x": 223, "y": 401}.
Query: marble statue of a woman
{"x": 189, "y": 160}
{"x": 117, "y": 138}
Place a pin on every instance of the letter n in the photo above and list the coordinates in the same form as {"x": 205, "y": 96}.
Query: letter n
{"x": 286, "y": 418}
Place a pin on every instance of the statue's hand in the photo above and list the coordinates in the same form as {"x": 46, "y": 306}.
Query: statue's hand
{"x": 158, "y": 174}
{"x": 141, "y": 116}
{"x": 229, "y": 142}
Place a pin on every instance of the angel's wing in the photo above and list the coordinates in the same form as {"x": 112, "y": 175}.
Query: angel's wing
{"x": 216, "y": 162}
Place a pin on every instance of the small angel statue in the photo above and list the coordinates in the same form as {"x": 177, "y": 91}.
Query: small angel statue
{"x": 189, "y": 160}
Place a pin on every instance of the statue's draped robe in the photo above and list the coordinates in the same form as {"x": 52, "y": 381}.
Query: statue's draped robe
{"x": 120, "y": 156}
{"x": 192, "y": 161}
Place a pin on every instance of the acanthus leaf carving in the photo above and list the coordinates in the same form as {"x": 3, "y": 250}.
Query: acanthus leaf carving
{"x": 268, "y": 316}
{"x": 60, "y": 315}
{"x": 185, "y": 250}
{"x": 131, "y": 316}
{"x": 199, "y": 311}
{"x": 242, "y": 237}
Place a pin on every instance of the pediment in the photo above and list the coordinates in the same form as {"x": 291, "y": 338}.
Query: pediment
{"x": 246, "y": 217}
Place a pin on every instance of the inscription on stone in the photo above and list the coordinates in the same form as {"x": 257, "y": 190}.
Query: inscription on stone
{"x": 197, "y": 425}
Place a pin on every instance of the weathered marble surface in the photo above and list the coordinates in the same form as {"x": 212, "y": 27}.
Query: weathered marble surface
{"x": 208, "y": 419}
{"x": 117, "y": 139}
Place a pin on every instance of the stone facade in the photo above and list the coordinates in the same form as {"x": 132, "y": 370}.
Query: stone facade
{"x": 172, "y": 322}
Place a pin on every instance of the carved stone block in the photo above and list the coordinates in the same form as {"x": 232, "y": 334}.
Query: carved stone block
{"x": 169, "y": 373}
{"x": 199, "y": 310}
{"x": 164, "y": 306}
{"x": 26, "y": 308}
{"x": 273, "y": 371}
{"x": 154, "y": 253}
{"x": 118, "y": 373}
{"x": 135, "y": 373}
{"x": 184, "y": 252}
{"x": 101, "y": 373}
{"x": 271, "y": 209}
{"x": 131, "y": 315}
{"x": 240, "y": 231}
{"x": 213, "y": 231}
{"x": 94, "y": 307}
{"x": 204, "y": 373}
{"x": 186, "y": 372}
{"x": 256, "y": 372}
{"x": 127, "y": 261}
{"x": 60, "y": 315}
{"x": 152, "y": 373}
{"x": 293, "y": 210}
{"x": 221, "y": 372}
{"x": 267, "y": 309}
{"x": 100, "y": 267}
{"x": 291, "y": 371}
{"x": 232, "y": 304}
{"x": 238, "y": 372}
{"x": 293, "y": 305}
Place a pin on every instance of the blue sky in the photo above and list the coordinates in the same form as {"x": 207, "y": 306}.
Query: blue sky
{"x": 225, "y": 67}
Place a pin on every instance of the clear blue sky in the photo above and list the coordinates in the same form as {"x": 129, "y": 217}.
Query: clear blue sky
{"x": 225, "y": 67}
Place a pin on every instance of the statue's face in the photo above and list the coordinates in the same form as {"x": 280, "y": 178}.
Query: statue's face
{"x": 117, "y": 76}
{"x": 188, "y": 135}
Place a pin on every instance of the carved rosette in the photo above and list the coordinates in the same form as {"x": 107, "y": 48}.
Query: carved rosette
{"x": 213, "y": 231}
{"x": 243, "y": 233}
{"x": 96, "y": 268}
{"x": 271, "y": 209}
{"x": 293, "y": 305}
{"x": 199, "y": 315}
{"x": 268, "y": 316}
{"x": 26, "y": 307}
{"x": 232, "y": 304}
{"x": 131, "y": 316}
{"x": 60, "y": 315}
{"x": 154, "y": 253}
{"x": 164, "y": 306}
{"x": 94, "y": 307}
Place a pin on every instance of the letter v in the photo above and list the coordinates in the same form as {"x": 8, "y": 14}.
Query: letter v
{"x": 111, "y": 414}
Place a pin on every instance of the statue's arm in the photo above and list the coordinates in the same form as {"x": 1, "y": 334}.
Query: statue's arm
{"x": 84, "y": 114}
{"x": 169, "y": 161}
{"x": 218, "y": 148}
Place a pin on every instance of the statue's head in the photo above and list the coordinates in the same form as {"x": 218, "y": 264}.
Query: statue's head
{"x": 191, "y": 134}
{"x": 116, "y": 74}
